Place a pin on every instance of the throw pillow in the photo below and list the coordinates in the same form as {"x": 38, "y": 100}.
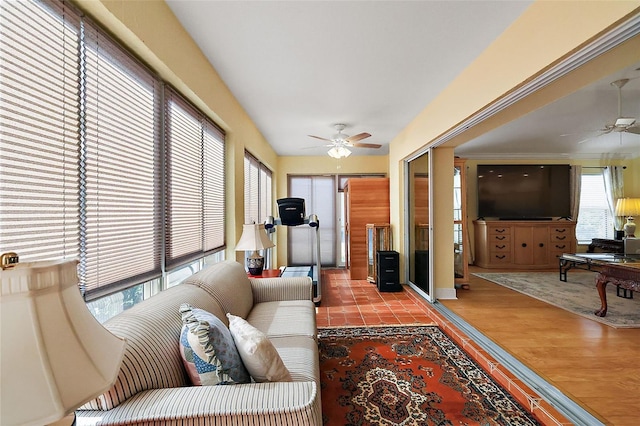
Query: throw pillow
{"x": 257, "y": 352}
{"x": 208, "y": 350}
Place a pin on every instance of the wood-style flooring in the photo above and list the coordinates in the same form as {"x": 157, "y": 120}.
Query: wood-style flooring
{"x": 597, "y": 366}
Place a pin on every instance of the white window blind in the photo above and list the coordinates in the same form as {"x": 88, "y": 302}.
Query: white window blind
{"x": 38, "y": 131}
{"x": 319, "y": 193}
{"x": 195, "y": 182}
{"x": 120, "y": 207}
{"x": 594, "y": 218}
{"x": 213, "y": 188}
{"x": 257, "y": 190}
{"x": 266, "y": 198}
{"x": 251, "y": 189}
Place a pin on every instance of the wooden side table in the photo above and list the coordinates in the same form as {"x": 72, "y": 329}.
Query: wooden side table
{"x": 266, "y": 273}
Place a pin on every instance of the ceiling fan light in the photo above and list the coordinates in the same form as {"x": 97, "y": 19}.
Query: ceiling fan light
{"x": 339, "y": 152}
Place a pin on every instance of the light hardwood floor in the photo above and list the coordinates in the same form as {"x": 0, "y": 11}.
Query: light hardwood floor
{"x": 597, "y": 366}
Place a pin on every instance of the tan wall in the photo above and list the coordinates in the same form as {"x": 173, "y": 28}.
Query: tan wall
{"x": 544, "y": 34}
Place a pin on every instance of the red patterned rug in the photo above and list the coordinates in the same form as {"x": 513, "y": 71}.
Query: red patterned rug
{"x": 408, "y": 375}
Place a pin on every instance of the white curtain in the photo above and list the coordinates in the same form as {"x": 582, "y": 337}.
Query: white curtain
{"x": 614, "y": 188}
{"x": 575, "y": 184}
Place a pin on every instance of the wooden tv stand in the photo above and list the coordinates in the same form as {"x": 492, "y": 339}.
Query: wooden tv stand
{"x": 523, "y": 244}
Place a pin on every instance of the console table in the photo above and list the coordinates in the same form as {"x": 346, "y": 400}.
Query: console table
{"x": 625, "y": 276}
{"x": 609, "y": 246}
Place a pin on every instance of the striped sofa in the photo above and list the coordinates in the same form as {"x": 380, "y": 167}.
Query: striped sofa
{"x": 153, "y": 388}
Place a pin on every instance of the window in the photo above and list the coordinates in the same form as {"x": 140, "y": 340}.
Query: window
{"x": 594, "y": 218}
{"x": 319, "y": 193}
{"x": 257, "y": 190}
{"x": 84, "y": 159}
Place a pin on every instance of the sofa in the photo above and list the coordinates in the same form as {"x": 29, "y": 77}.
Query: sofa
{"x": 153, "y": 387}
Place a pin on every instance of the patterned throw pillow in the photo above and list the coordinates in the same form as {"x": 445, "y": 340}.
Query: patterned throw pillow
{"x": 208, "y": 350}
{"x": 257, "y": 352}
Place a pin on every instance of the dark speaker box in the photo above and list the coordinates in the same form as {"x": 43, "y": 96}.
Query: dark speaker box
{"x": 387, "y": 271}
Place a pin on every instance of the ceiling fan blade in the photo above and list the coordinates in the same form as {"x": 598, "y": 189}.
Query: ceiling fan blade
{"x": 357, "y": 137}
{"x": 365, "y": 145}
{"x": 322, "y": 139}
{"x": 634, "y": 130}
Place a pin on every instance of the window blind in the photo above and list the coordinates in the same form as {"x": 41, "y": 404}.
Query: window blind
{"x": 82, "y": 158}
{"x": 319, "y": 193}
{"x": 194, "y": 155}
{"x": 251, "y": 189}
{"x": 120, "y": 200}
{"x": 257, "y": 190}
{"x": 213, "y": 188}
{"x": 39, "y": 131}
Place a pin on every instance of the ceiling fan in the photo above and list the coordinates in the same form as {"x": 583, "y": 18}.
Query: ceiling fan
{"x": 340, "y": 142}
{"x": 622, "y": 124}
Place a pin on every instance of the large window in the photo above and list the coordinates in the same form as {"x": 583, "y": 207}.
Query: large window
{"x": 594, "y": 218}
{"x": 88, "y": 136}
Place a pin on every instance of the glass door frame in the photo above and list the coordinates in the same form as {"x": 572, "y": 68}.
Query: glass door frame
{"x": 410, "y": 233}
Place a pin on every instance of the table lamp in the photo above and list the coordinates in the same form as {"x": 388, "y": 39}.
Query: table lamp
{"x": 55, "y": 355}
{"x": 254, "y": 237}
{"x": 628, "y": 207}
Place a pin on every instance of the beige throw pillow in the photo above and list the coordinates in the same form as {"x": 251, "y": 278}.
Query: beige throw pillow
{"x": 257, "y": 352}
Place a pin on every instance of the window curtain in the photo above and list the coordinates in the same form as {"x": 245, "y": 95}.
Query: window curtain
{"x": 575, "y": 185}
{"x": 614, "y": 189}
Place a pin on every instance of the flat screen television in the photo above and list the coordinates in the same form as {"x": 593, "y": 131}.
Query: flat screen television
{"x": 523, "y": 191}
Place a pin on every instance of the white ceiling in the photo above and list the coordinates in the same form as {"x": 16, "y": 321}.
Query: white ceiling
{"x": 299, "y": 67}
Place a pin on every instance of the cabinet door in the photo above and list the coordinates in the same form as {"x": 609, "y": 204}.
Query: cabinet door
{"x": 540, "y": 241}
{"x": 531, "y": 245}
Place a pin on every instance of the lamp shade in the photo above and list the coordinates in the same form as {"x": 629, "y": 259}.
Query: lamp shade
{"x": 254, "y": 237}
{"x": 628, "y": 207}
{"x": 55, "y": 355}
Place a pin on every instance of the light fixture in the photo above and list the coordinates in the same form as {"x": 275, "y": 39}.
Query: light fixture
{"x": 55, "y": 355}
{"x": 339, "y": 152}
{"x": 254, "y": 237}
{"x": 628, "y": 207}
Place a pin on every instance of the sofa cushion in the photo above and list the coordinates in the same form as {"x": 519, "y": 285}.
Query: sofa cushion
{"x": 208, "y": 350}
{"x": 284, "y": 318}
{"x": 229, "y": 284}
{"x": 258, "y": 353}
{"x": 300, "y": 355}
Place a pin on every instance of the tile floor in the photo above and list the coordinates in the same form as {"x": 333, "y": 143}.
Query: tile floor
{"x": 347, "y": 302}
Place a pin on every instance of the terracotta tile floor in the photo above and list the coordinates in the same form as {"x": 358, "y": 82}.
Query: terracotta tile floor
{"x": 347, "y": 302}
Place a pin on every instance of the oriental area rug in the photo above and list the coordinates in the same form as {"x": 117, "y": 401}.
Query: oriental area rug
{"x": 408, "y": 375}
{"x": 578, "y": 295}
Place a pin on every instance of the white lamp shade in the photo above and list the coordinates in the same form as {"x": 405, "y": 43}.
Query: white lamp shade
{"x": 254, "y": 237}
{"x": 55, "y": 355}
